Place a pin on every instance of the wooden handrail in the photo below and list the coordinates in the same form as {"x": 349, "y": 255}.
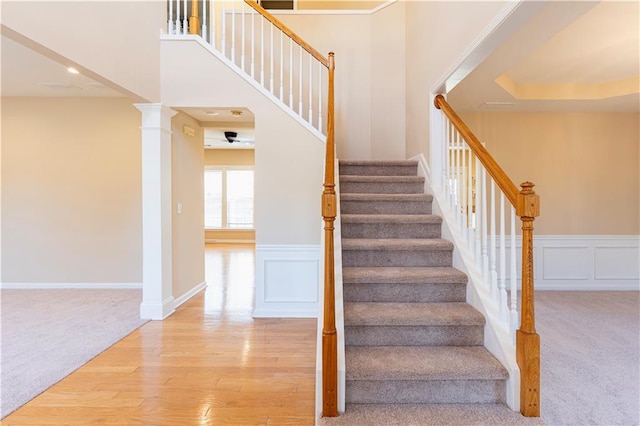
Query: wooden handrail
{"x": 329, "y": 213}
{"x": 306, "y": 46}
{"x": 527, "y": 205}
{"x": 501, "y": 178}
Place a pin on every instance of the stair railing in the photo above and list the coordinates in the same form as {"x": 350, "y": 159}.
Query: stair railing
{"x": 291, "y": 70}
{"x": 475, "y": 188}
{"x": 263, "y": 48}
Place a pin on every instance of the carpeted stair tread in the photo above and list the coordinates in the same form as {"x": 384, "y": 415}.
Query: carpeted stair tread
{"x": 394, "y": 244}
{"x": 391, "y": 218}
{"x": 385, "y": 197}
{"x": 411, "y": 314}
{"x": 378, "y": 163}
{"x": 403, "y": 275}
{"x": 429, "y": 415}
{"x": 393, "y": 363}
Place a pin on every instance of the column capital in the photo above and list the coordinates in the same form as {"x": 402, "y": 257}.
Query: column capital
{"x": 155, "y": 115}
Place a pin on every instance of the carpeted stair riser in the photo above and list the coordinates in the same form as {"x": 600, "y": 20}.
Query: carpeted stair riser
{"x": 396, "y": 258}
{"x": 437, "y": 335}
{"x": 391, "y": 230}
{"x": 409, "y": 293}
{"x": 425, "y": 391}
{"x": 378, "y": 168}
{"x": 363, "y": 204}
{"x": 382, "y": 185}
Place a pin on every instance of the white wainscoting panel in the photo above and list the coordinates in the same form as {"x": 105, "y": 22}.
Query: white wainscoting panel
{"x": 585, "y": 262}
{"x": 287, "y": 279}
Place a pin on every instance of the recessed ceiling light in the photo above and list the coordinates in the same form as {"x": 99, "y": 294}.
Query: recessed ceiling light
{"x": 73, "y": 70}
{"x": 236, "y": 113}
{"x": 211, "y": 112}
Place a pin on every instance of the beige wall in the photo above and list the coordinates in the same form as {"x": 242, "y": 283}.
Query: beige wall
{"x": 114, "y": 42}
{"x": 338, "y": 4}
{"x": 71, "y": 191}
{"x": 585, "y": 166}
{"x": 229, "y": 157}
{"x": 437, "y": 33}
{"x": 187, "y": 188}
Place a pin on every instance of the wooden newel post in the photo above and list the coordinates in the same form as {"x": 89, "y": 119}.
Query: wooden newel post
{"x": 194, "y": 21}
{"x": 329, "y": 212}
{"x": 527, "y": 340}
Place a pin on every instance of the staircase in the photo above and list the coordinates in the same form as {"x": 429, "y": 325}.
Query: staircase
{"x": 412, "y": 343}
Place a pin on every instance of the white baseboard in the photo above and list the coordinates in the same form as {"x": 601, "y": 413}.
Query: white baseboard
{"x": 53, "y": 286}
{"x": 287, "y": 279}
{"x": 189, "y": 294}
{"x": 586, "y": 262}
{"x": 157, "y": 310}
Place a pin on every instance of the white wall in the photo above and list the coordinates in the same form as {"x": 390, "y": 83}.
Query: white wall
{"x": 114, "y": 42}
{"x": 71, "y": 192}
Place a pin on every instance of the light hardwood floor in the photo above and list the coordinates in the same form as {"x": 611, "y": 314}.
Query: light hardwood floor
{"x": 208, "y": 363}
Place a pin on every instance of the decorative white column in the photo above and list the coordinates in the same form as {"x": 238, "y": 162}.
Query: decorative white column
{"x": 157, "y": 257}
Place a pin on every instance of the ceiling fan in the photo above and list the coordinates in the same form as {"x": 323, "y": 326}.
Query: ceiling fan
{"x": 232, "y": 137}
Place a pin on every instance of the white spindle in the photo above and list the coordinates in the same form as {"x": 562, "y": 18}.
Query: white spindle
{"x": 479, "y": 207}
{"x": 492, "y": 245}
{"x": 291, "y": 74}
{"x": 185, "y": 20}
{"x": 463, "y": 189}
{"x": 458, "y": 183}
{"x": 272, "y": 59}
{"x": 503, "y": 267}
{"x": 223, "y": 15}
{"x": 242, "y": 56}
{"x": 300, "y": 82}
{"x": 233, "y": 32}
{"x": 262, "y": 51}
{"x": 446, "y": 157}
{"x": 213, "y": 38}
{"x": 310, "y": 89}
{"x": 281, "y": 66}
{"x": 253, "y": 41}
{"x": 470, "y": 240}
{"x": 170, "y": 19}
{"x": 320, "y": 96}
{"x": 204, "y": 21}
{"x": 485, "y": 254}
{"x": 514, "y": 276}
{"x": 177, "y": 25}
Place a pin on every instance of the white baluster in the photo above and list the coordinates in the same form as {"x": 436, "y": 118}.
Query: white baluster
{"x": 514, "y": 277}
{"x": 170, "y": 20}
{"x": 291, "y": 74}
{"x": 446, "y": 157}
{"x": 233, "y": 32}
{"x": 492, "y": 252}
{"x": 272, "y": 59}
{"x": 310, "y": 89}
{"x": 204, "y": 20}
{"x": 485, "y": 253}
{"x": 253, "y": 47}
{"x": 243, "y": 40}
{"x": 223, "y": 15}
{"x": 213, "y": 24}
{"x": 177, "y": 26}
{"x": 320, "y": 96}
{"x": 463, "y": 192}
{"x": 281, "y": 65}
{"x": 503, "y": 267}
{"x": 458, "y": 180}
{"x": 300, "y": 83}
{"x": 479, "y": 207}
{"x": 262, "y": 51}
{"x": 185, "y": 20}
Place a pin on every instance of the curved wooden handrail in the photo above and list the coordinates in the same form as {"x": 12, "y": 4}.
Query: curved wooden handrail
{"x": 494, "y": 169}
{"x": 306, "y": 46}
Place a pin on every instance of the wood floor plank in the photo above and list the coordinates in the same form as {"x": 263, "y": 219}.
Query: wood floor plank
{"x": 209, "y": 363}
